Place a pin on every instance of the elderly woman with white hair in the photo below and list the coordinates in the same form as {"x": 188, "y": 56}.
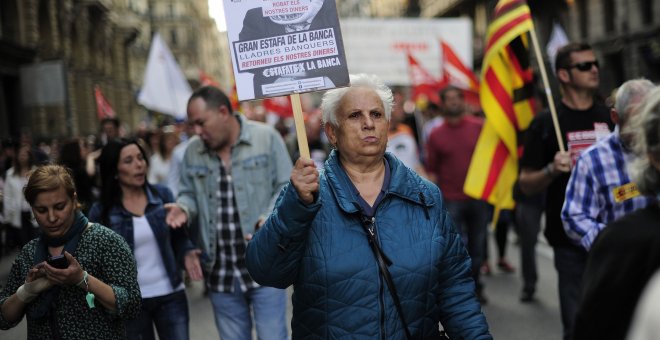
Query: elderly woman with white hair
{"x": 626, "y": 253}
{"x": 367, "y": 243}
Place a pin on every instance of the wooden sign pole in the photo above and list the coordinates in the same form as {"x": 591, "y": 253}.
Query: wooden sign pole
{"x": 301, "y": 133}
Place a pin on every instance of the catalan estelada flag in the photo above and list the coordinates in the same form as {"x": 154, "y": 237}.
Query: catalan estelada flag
{"x": 506, "y": 95}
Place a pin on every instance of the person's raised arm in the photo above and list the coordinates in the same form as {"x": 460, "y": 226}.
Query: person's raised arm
{"x": 305, "y": 179}
{"x": 274, "y": 253}
{"x": 533, "y": 181}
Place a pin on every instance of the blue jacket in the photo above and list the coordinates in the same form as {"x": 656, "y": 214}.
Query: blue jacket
{"x": 322, "y": 250}
{"x": 173, "y": 243}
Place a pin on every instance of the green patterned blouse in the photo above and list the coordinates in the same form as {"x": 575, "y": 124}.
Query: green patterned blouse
{"x": 103, "y": 254}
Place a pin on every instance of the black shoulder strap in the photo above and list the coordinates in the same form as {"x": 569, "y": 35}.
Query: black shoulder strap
{"x": 383, "y": 263}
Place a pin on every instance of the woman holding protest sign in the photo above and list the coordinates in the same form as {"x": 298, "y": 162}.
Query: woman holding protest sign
{"x": 366, "y": 242}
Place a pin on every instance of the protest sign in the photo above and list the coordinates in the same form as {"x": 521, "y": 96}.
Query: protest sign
{"x": 281, "y": 47}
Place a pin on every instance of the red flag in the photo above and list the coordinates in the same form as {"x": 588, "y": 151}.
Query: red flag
{"x": 424, "y": 86}
{"x": 103, "y": 108}
{"x": 279, "y": 105}
{"x": 207, "y": 80}
{"x": 456, "y": 73}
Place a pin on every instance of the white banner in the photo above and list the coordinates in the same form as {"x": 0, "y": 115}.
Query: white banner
{"x": 165, "y": 88}
{"x": 557, "y": 40}
{"x": 379, "y": 46}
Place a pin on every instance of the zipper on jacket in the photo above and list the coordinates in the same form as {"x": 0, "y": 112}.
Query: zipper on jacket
{"x": 426, "y": 208}
{"x": 370, "y": 226}
{"x": 382, "y": 308}
{"x": 381, "y": 298}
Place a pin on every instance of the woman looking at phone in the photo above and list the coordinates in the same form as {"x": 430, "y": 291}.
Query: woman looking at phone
{"x": 134, "y": 209}
{"x": 97, "y": 285}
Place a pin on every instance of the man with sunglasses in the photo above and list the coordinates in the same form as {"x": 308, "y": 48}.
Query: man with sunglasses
{"x": 582, "y": 120}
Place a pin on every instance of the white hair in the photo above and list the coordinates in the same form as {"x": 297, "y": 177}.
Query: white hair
{"x": 629, "y": 94}
{"x": 645, "y": 129}
{"x": 331, "y": 99}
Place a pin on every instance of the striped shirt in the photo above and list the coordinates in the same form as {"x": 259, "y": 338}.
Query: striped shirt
{"x": 230, "y": 259}
{"x": 599, "y": 191}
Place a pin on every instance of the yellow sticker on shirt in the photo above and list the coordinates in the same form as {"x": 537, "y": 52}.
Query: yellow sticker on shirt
{"x": 625, "y": 192}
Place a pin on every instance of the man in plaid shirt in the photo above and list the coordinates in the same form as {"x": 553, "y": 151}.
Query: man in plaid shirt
{"x": 600, "y": 190}
{"x": 231, "y": 174}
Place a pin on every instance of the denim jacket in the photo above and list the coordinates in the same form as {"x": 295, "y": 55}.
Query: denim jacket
{"x": 261, "y": 166}
{"x": 173, "y": 243}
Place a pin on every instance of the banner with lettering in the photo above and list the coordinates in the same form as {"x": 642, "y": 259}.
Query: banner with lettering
{"x": 280, "y": 47}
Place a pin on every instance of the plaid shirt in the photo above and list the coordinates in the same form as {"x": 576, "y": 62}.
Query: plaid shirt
{"x": 599, "y": 191}
{"x": 230, "y": 258}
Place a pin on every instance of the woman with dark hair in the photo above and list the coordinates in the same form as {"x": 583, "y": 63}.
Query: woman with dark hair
{"x": 133, "y": 208}
{"x": 16, "y": 210}
{"x": 73, "y": 156}
{"x": 77, "y": 280}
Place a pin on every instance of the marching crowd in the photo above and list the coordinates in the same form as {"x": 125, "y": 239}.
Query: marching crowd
{"x": 374, "y": 231}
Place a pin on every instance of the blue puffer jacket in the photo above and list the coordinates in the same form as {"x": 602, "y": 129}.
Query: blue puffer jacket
{"x": 323, "y": 250}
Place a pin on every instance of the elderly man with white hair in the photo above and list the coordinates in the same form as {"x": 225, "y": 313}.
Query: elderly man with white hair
{"x": 600, "y": 190}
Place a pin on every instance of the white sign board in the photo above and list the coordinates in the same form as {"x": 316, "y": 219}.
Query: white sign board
{"x": 379, "y": 46}
{"x": 280, "y": 47}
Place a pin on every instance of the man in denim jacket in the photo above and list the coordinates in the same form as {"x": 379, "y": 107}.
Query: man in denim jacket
{"x": 232, "y": 172}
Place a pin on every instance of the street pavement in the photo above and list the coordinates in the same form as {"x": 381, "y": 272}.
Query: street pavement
{"x": 507, "y": 317}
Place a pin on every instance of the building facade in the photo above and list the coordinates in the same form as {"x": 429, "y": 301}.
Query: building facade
{"x": 54, "y": 52}
{"x": 625, "y": 34}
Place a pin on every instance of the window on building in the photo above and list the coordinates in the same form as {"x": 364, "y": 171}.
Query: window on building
{"x": 610, "y": 13}
{"x": 583, "y": 16}
{"x": 45, "y": 33}
{"x": 170, "y": 8}
{"x": 613, "y": 70}
{"x": 173, "y": 37}
{"x": 9, "y": 21}
{"x": 647, "y": 11}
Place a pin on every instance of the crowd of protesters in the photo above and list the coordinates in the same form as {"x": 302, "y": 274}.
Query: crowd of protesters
{"x": 226, "y": 198}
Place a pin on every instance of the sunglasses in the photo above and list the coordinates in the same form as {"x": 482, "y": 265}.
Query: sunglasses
{"x": 585, "y": 66}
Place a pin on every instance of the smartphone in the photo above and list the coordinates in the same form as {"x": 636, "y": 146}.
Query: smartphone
{"x": 58, "y": 261}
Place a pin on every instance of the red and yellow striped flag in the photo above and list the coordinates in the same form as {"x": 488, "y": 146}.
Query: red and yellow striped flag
{"x": 506, "y": 95}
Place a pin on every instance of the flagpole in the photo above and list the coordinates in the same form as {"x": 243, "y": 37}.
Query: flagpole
{"x": 548, "y": 92}
{"x": 301, "y": 133}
